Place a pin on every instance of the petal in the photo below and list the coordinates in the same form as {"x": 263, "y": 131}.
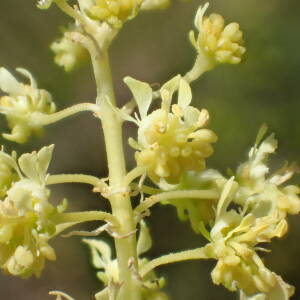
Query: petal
{"x": 184, "y": 94}
{"x": 142, "y": 93}
{"x": 9, "y": 84}
{"x": 225, "y": 198}
{"x": 199, "y": 15}
{"x": 34, "y": 165}
{"x": 29, "y": 76}
{"x": 167, "y": 91}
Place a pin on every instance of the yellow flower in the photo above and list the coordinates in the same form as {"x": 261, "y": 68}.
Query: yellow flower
{"x": 171, "y": 142}
{"x": 217, "y": 42}
{"x": 21, "y": 103}
{"x": 114, "y": 12}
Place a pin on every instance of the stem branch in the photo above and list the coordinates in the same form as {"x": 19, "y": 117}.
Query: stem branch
{"x": 201, "y": 65}
{"x": 120, "y": 201}
{"x": 74, "y": 178}
{"x": 46, "y": 119}
{"x": 172, "y": 195}
{"x": 86, "y": 216}
{"x": 198, "y": 253}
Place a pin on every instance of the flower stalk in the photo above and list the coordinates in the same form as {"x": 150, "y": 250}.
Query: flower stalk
{"x": 120, "y": 200}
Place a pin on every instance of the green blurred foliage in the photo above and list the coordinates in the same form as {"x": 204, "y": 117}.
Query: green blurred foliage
{"x": 154, "y": 47}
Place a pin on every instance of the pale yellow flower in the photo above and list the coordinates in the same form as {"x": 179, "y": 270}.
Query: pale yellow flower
{"x": 172, "y": 139}
{"x": 20, "y": 104}
{"x": 234, "y": 240}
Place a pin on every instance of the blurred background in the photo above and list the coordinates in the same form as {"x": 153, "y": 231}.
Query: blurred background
{"x": 152, "y": 48}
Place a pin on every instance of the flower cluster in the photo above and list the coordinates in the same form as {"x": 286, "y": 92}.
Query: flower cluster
{"x": 21, "y": 103}
{"x": 109, "y": 274}
{"x": 251, "y": 209}
{"x": 216, "y": 42}
{"x": 171, "y": 140}
{"x": 25, "y": 214}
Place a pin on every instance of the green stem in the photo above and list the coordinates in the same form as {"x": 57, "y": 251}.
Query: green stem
{"x": 172, "y": 195}
{"x": 145, "y": 189}
{"x": 86, "y": 216}
{"x": 74, "y": 178}
{"x": 201, "y": 65}
{"x": 198, "y": 253}
{"x": 133, "y": 174}
{"x": 45, "y": 119}
{"x": 75, "y": 14}
{"x": 120, "y": 200}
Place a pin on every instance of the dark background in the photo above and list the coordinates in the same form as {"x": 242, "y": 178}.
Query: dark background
{"x": 154, "y": 47}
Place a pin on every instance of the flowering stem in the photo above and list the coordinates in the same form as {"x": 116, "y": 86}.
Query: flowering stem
{"x": 198, "y": 253}
{"x": 172, "y": 195}
{"x": 120, "y": 200}
{"x": 46, "y": 119}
